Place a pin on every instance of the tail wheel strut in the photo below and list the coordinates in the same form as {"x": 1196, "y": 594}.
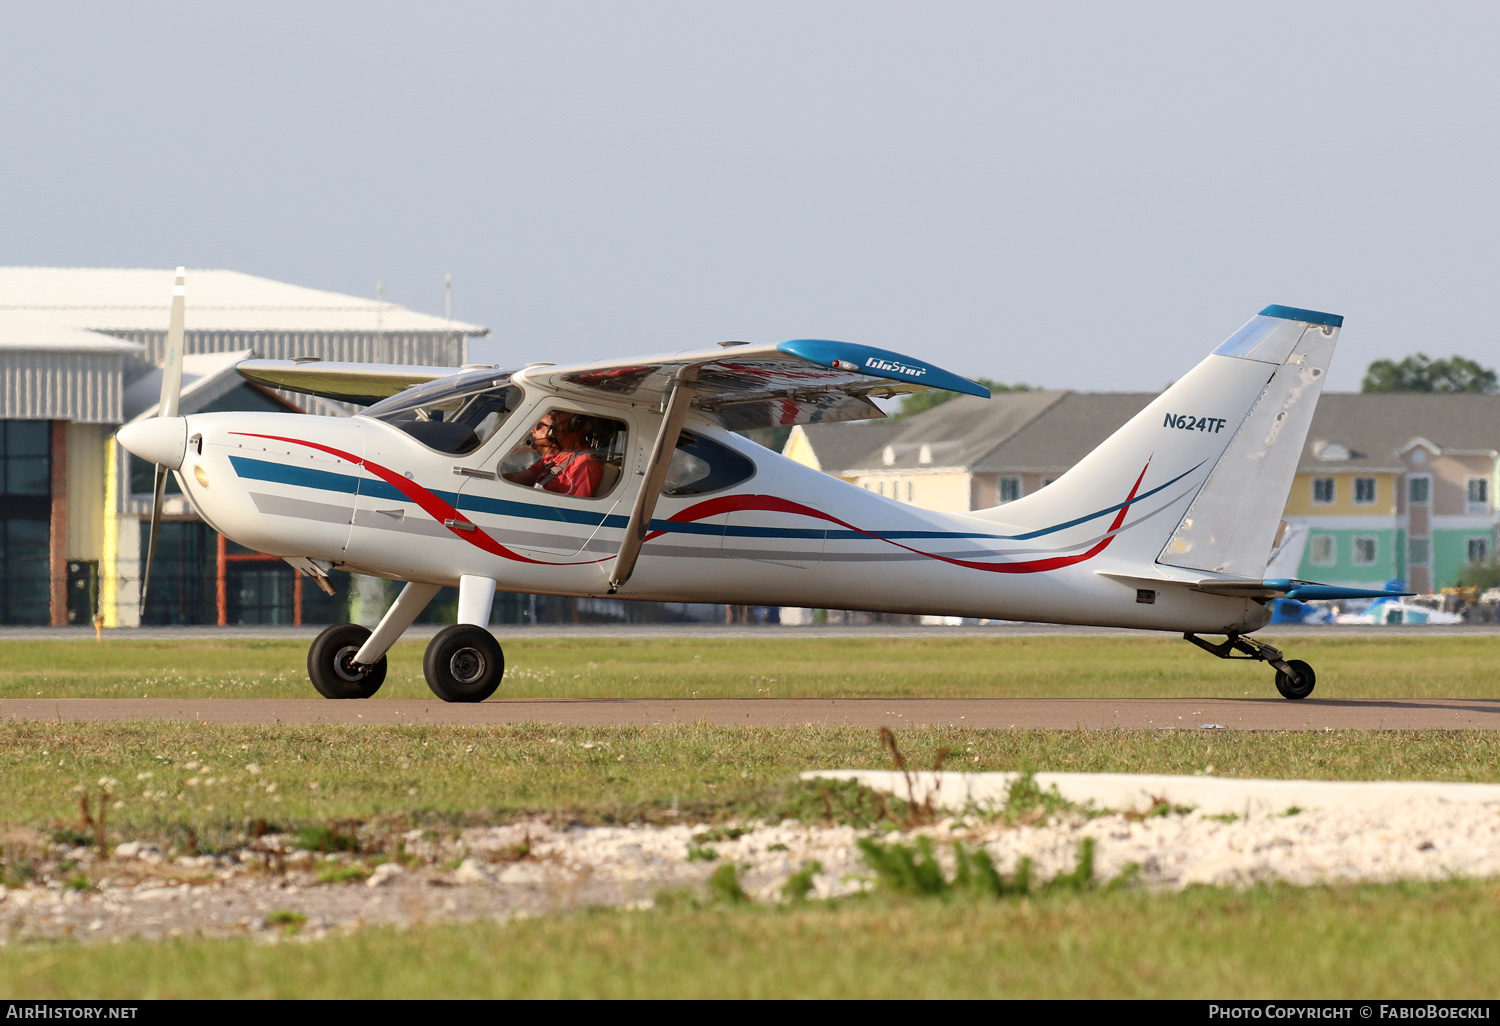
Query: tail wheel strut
{"x": 1294, "y": 678}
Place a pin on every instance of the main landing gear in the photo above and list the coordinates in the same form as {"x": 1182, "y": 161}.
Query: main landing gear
{"x": 1294, "y": 678}
{"x": 463, "y": 663}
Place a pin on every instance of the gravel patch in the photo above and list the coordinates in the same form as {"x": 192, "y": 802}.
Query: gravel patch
{"x": 272, "y": 890}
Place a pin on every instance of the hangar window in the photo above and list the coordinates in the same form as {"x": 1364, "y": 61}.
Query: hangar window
{"x": 456, "y": 414}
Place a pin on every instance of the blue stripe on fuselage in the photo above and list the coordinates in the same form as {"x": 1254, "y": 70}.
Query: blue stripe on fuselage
{"x": 349, "y": 484}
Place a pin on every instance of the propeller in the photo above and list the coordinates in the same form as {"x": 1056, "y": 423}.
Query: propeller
{"x": 171, "y": 393}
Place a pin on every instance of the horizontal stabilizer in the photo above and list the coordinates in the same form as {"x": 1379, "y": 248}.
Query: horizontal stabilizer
{"x": 1303, "y": 591}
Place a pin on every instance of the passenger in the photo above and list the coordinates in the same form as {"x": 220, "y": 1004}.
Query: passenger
{"x": 565, "y": 465}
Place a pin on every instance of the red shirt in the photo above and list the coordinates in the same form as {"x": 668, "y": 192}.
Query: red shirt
{"x": 570, "y": 473}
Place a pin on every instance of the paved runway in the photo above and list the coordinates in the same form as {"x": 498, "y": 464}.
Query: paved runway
{"x": 1043, "y": 713}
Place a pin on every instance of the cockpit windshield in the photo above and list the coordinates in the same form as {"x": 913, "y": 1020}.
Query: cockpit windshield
{"x": 456, "y": 414}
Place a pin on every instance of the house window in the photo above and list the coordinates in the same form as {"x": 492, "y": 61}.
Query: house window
{"x": 1010, "y": 489}
{"x": 1365, "y": 550}
{"x": 1364, "y": 491}
{"x": 1047, "y": 480}
{"x": 1322, "y": 490}
{"x": 1479, "y": 550}
{"x": 911, "y": 489}
{"x": 1417, "y": 551}
{"x": 1323, "y": 551}
{"x": 1418, "y": 489}
{"x": 1478, "y": 496}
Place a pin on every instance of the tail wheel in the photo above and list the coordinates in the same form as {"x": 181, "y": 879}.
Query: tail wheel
{"x": 1298, "y": 686}
{"x": 463, "y": 664}
{"x": 330, "y": 663}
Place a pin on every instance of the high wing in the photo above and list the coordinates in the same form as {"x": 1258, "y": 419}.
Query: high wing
{"x": 362, "y": 383}
{"x": 749, "y": 386}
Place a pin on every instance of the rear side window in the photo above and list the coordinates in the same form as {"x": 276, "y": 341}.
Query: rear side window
{"x": 701, "y": 465}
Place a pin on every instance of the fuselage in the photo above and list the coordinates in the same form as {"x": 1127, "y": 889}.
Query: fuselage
{"x": 362, "y": 495}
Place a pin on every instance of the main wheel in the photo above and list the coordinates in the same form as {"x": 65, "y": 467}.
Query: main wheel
{"x": 463, "y": 664}
{"x": 1302, "y": 685}
{"x": 330, "y": 663}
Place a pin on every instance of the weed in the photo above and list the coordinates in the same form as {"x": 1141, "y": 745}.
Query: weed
{"x": 778, "y": 846}
{"x": 720, "y": 834}
{"x": 1292, "y": 810}
{"x": 72, "y": 837}
{"x": 286, "y": 919}
{"x": 337, "y": 874}
{"x": 915, "y": 870}
{"x": 1026, "y": 802}
{"x": 800, "y": 883}
{"x": 1160, "y": 808}
{"x": 79, "y": 882}
{"x": 1224, "y": 817}
{"x": 325, "y": 839}
{"x": 697, "y": 854}
{"x": 724, "y": 885}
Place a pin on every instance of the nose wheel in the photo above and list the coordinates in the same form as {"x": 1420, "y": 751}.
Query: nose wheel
{"x": 463, "y": 664}
{"x": 1294, "y": 678}
{"x": 331, "y": 665}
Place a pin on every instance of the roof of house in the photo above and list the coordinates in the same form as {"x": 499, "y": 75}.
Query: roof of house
{"x": 1052, "y": 430}
{"x": 842, "y": 444}
{"x": 1353, "y": 431}
{"x": 133, "y": 299}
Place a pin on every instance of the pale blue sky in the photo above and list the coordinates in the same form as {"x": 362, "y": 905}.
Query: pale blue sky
{"x": 1086, "y": 195}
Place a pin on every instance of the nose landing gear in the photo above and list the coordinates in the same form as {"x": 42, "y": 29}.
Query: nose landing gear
{"x": 1294, "y": 678}
{"x": 462, "y": 664}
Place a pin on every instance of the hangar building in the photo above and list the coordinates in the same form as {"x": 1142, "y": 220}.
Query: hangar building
{"x": 79, "y": 355}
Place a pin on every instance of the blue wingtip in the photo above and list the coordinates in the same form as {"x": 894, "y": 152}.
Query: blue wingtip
{"x": 879, "y": 363}
{"x": 1292, "y": 313}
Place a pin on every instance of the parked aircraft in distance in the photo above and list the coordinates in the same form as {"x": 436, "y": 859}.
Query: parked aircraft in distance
{"x": 626, "y": 478}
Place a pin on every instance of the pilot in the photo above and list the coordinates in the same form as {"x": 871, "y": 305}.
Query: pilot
{"x": 565, "y": 465}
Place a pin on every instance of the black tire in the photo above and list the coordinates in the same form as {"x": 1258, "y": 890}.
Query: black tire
{"x": 1302, "y": 686}
{"x": 463, "y": 664}
{"x": 330, "y": 668}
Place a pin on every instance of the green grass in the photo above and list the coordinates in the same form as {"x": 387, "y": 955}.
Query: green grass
{"x": 777, "y": 666}
{"x": 177, "y": 781}
{"x": 1373, "y": 943}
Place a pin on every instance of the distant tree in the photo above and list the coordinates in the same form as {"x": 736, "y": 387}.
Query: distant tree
{"x": 1420, "y": 373}
{"x": 1480, "y": 576}
{"x": 920, "y": 402}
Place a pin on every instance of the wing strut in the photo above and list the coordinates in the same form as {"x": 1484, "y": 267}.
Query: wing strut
{"x": 674, "y": 414}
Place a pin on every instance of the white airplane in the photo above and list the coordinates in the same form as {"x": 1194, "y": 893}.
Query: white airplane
{"x": 626, "y": 478}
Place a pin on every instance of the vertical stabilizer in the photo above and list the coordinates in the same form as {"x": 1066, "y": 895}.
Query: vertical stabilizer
{"x": 1232, "y": 524}
{"x": 1198, "y": 479}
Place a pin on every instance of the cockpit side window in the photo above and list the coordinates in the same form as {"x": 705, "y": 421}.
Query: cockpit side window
{"x": 454, "y": 415}
{"x": 569, "y": 453}
{"x": 700, "y": 465}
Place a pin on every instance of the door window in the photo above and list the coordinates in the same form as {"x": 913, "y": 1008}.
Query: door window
{"x": 569, "y": 453}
